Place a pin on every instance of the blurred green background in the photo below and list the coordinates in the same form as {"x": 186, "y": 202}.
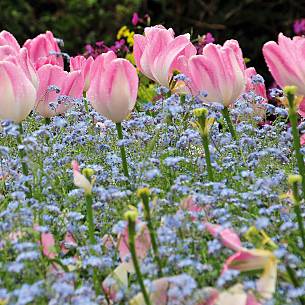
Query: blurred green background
{"x": 77, "y": 22}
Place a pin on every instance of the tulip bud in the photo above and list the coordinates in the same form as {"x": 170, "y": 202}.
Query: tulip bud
{"x": 41, "y": 48}
{"x": 17, "y": 93}
{"x": 114, "y": 87}
{"x": 7, "y": 39}
{"x": 84, "y": 65}
{"x": 54, "y": 84}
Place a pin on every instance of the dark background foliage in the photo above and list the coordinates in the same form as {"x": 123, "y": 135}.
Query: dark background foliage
{"x": 251, "y": 22}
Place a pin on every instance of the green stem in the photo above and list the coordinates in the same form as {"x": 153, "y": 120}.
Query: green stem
{"x": 90, "y": 222}
{"x": 205, "y": 142}
{"x": 47, "y": 121}
{"x": 152, "y": 232}
{"x": 22, "y": 154}
{"x": 298, "y": 212}
{"x": 131, "y": 235}
{"x": 85, "y": 102}
{"x": 295, "y": 282}
{"x": 296, "y": 139}
{"x": 122, "y": 149}
{"x": 226, "y": 115}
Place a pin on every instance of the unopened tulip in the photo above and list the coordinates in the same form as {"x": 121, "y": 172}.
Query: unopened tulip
{"x": 41, "y": 48}
{"x": 18, "y": 94}
{"x": 158, "y": 54}
{"x": 7, "y": 39}
{"x": 58, "y": 87}
{"x": 255, "y": 83}
{"x": 219, "y": 71}
{"x": 80, "y": 63}
{"x": 114, "y": 86}
{"x": 286, "y": 61}
{"x": 20, "y": 58}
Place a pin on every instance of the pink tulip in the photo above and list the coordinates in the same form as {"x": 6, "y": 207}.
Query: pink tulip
{"x": 70, "y": 86}
{"x": 114, "y": 87}
{"x": 142, "y": 242}
{"x": 259, "y": 88}
{"x": 219, "y": 71}
{"x": 158, "y": 54}
{"x": 227, "y": 237}
{"x": 7, "y": 39}
{"x": 84, "y": 65}
{"x": 286, "y": 61}
{"x": 40, "y": 50}
{"x": 48, "y": 245}
{"x": 79, "y": 179}
{"x": 18, "y": 94}
{"x": 20, "y": 58}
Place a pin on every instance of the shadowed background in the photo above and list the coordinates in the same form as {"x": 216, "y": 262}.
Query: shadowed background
{"x": 77, "y": 22}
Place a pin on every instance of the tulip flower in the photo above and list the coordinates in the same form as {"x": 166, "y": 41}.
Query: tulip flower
{"x": 80, "y": 180}
{"x": 205, "y": 296}
{"x": 113, "y": 91}
{"x": 7, "y": 39}
{"x": 158, "y": 54}
{"x": 21, "y": 58}
{"x": 258, "y": 88}
{"x": 219, "y": 71}
{"x": 84, "y": 65}
{"x": 285, "y": 61}
{"x": 18, "y": 94}
{"x": 40, "y": 50}
{"x": 57, "y": 86}
{"x": 114, "y": 86}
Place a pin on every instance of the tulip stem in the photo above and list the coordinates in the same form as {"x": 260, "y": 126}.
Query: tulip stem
{"x": 297, "y": 210}
{"x": 85, "y": 101}
{"x": 144, "y": 193}
{"x": 122, "y": 149}
{"x": 90, "y": 222}
{"x": 132, "y": 249}
{"x": 205, "y": 142}
{"x": 295, "y": 282}
{"x": 25, "y": 169}
{"x": 296, "y": 138}
{"x": 226, "y": 115}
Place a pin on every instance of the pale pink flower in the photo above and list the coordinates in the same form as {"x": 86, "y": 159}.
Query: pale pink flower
{"x": 158, "y": 53}
{"x": 41, "y": 49}
{"x": 114, "y": 86}
{"x": 219, "y": 71}
{"x": 286, "y": 61}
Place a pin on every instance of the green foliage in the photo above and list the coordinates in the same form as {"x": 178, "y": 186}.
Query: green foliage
{"x": 77, "y": 22}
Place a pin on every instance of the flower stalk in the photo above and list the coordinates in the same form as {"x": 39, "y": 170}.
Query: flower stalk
{"x": 227, "y": 117}
{"x": 203, "y": 124}
{"x": 122, "y": 149}
{"x": 290, "y": 92}
{"x": 293, "y": 180}
{"x": 144, "y": 195}
{"x": 22, "y": 154}
{"x": 131, "y": 217}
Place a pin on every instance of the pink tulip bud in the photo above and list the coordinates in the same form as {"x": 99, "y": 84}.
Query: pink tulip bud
{"x": 258, "y": 88}
{"x": 219, "y": 71}
{"x": 18, "y": 94}
{"x": 40, "y": 50}
{"x": 114, "y": 86}
{"x": 158, "y": 54}
{"x": 79, "y": 179}
{"x": 7, "y": 39}
{"x": 286, "y": 61}
{"x": 58, "y": 87}
{"x": 84, "y": 65}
